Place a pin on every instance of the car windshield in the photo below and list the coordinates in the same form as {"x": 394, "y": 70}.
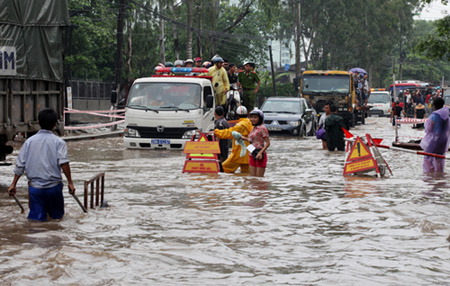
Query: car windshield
{"x": 381, "y": 97}
{"x": 326, "y": 83}
{"x": 165, "y": 96}
{"x": 282, "y": 106}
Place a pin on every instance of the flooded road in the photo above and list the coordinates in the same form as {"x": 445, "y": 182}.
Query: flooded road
{"x": 303, "y": 224}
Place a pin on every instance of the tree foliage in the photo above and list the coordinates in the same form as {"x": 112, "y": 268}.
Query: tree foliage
{"x": 336, "y": 34}
{"x": 436, "y": 45}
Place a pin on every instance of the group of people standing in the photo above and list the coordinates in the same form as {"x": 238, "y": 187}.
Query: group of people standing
{"x": 225, "y": 77}
{"x": 331, "y": 129}
{"x": 249, "y": 129}
{"x": 416, "y": 103}
{"x": 250, "y": 141}
{"x": 361, "y": 82}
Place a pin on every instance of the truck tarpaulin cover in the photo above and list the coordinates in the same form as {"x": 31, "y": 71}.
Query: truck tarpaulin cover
{"x": 34, "y": 30}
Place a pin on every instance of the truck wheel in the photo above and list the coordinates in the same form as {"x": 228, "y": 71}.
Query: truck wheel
{"x": 4, "y": 149}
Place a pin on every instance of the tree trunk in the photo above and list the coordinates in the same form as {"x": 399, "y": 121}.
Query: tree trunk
{"x": 297, "y": 43}
{"x": 176, "y": 43}
{"x": 130, "y": 51}
{"x": 200, "y": 23}
{"x": 119, "y": 40}
{"x": 214, "y": 21}
{"x": 162, "y": 48}
{"x": 189, "y": 31}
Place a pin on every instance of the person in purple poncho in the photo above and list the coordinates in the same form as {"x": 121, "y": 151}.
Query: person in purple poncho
{"x": 437, "y": 137}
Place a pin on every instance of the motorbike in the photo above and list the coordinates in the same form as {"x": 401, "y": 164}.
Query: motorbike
{"x": 233, "y": 102}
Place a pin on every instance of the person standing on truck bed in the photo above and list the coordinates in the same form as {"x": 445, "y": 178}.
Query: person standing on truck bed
{"x": 41, "y": 158}
{"x": 244, "y": 127}
{"x": 219, "y": 80}
{"x": 250, "y": 82}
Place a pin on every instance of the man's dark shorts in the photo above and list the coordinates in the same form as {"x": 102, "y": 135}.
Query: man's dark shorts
{"x": 46, "y": 201}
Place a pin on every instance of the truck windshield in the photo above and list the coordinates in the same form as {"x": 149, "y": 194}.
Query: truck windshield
{"x": 326, "y": 84}
{"x": 379, "y": 97}
{"x": 165, "y": 96}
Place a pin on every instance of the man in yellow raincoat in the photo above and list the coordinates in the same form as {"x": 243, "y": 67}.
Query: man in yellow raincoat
{"x": 244, "y": 126}
{"x": 219, "y": 80}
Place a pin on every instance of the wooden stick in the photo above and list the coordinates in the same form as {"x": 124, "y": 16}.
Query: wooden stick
{"x": 20, "y": 205}
{"x": 79, "y": 203}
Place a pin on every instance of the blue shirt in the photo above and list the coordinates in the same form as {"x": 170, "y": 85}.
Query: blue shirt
{"x": 40, "y": 159}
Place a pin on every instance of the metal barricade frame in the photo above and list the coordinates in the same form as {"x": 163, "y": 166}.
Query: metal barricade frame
{"x": 99, "y": 182}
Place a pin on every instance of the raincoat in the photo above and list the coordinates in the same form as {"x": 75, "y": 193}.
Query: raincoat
{"x": 234, "y": 161}
{"x": 220, "y": 83}
{"x": 334, "y": 134}
{"x": 436, "y": 140}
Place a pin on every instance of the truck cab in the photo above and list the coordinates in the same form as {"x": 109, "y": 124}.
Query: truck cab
{"x": 320, "y": 87}
{"x": 163, "y": 112}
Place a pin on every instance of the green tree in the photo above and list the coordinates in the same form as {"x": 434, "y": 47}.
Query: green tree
{"x": 91, "y": 52}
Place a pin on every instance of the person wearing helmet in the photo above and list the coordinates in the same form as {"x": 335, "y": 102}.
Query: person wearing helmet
{"x": 219, "y": 80}
{"x": 250, "y": 82}
{"x": 259, "y": 138}
{"x": 244, "y": 127}
{"x": 206, "y": 64}
{"x": 169, "y": 65}
{"x": 198, "y": 62}
{"x": 178, "y": 63}
{"x": 189, "y": 63}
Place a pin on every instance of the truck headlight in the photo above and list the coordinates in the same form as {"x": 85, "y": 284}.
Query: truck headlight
{"x": 130, "y": 132}
{"x": 294, "y": 123}
{"x": 188, "y": 134}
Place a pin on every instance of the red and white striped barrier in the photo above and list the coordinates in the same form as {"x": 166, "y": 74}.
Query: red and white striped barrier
{"x": 410, "y": 120}
{"x": 68, "y": 110}
{"x": 97, "y": 113}
{"x": 102, "y": 113}
{"x": 93, "y": 126}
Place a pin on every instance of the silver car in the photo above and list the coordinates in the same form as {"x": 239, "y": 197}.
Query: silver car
{"x": 289, "y": 115}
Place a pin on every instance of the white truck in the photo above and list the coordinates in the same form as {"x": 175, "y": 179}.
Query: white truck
{"x": 164, "y": 112}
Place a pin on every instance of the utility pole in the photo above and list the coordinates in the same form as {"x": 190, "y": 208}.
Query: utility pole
{"x": 273, "y": 72}
{"x": 297, "y": 43}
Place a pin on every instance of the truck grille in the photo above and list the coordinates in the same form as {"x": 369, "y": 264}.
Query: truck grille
{"x": 168, "y": 133}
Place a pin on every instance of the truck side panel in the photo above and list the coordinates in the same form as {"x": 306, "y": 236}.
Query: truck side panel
{"x": 21, "y": 100}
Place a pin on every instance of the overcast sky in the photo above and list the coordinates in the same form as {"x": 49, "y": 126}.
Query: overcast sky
{"x": 435, "y": 10}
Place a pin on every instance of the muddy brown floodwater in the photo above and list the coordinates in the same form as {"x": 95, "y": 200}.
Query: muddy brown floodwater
{"x": 303, "y": 224}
